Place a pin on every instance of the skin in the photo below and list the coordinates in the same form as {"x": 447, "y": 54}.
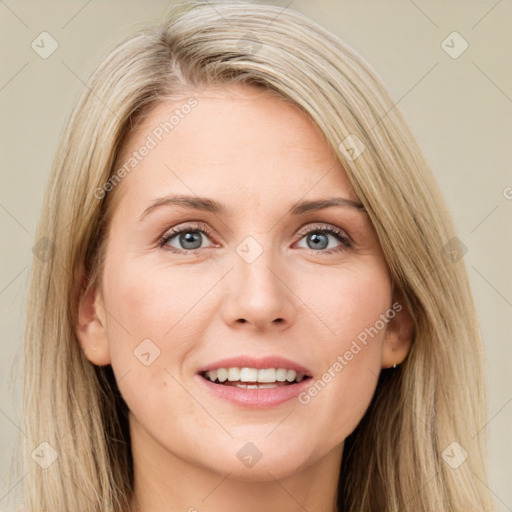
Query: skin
{"x": 258, "y": 155}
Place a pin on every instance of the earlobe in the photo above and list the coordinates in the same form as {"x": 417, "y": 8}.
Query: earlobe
{"x": 399, "y": 335}
{"x": 91, "y": 328}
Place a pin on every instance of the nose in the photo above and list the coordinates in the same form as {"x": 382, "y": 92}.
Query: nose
{"x": 259, "y": 294}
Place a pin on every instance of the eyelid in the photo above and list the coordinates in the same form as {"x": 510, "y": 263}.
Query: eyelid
{"x": 187, "y": 226}
{"x": 325, "y": 227}
{"x": 200, "y": 226}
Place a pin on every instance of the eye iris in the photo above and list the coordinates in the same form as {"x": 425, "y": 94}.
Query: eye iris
{"x": 319, "y": 241}
{"x": 190, "y": 237}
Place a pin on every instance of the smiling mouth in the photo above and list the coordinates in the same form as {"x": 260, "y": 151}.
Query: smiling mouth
{"x": 269, "y": 378}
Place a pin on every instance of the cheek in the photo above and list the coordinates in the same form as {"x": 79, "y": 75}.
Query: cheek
{"x": 353, "y": 306}
{"x": 152, "y": 324}
{"x": 346, "y": 300}
{"x": 153, "y": 300}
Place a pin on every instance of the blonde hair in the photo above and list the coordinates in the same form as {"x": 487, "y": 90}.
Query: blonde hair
{"x": 395, "y": 460}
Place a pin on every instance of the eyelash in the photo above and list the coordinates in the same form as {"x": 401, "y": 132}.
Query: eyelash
{"x": 203, "y": 228}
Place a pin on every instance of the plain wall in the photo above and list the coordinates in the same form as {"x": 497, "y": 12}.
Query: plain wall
{"x": 460, "y": 109}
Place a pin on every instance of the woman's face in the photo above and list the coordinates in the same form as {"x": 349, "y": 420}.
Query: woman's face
{"x": 250, "y": 280}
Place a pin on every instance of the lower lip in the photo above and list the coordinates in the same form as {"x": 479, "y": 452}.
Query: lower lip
{"x": 256, "y": 398}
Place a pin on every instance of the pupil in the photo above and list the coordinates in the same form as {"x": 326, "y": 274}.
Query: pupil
{"x": 190, "y": 238}
{"x": 318, "y": 237}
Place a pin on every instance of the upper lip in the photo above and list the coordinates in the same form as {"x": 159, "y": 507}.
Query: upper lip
{"x": 246, "y": 361}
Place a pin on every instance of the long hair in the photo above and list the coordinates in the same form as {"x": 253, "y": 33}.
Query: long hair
{"x": 425, "y": 415}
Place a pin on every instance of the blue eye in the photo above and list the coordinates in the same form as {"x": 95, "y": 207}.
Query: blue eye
{"x": 317, "y": 239}
{"x": 189, "y": 239}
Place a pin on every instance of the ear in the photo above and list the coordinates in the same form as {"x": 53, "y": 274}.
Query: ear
{"x": 91, "y": 326}
{"x": 399, "y": 333}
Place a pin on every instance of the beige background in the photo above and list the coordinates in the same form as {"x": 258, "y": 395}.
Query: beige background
{"x": 460, "y": 109}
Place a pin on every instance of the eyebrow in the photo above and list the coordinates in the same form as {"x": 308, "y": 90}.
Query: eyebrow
{"x": 212, "y": 206}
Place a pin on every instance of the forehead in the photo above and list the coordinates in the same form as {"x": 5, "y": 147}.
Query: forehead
{"x": 236, "y": 142}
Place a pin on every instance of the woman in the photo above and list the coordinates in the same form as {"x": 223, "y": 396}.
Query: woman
{"x": 250, "y": 301}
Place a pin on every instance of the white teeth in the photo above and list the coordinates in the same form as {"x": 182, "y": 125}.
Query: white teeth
{"x": 249, "y": 375}
{"x": 281, "y": 374}
{"x": 262, "y": 375}
{"x": 267, "y": 375}
{"x": 222, "y": 374}
{"x": 233, "y": 374}
{"x": 255, "y": 386}
{"x": 290, "y": 375}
